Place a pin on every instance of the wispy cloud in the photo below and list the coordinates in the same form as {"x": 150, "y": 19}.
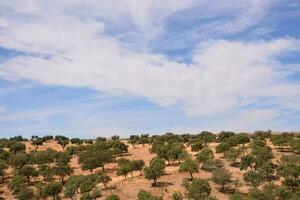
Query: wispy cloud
{"x": 108, "y": 46}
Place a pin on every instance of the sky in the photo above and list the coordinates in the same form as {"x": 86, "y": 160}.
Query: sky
{"x": 89, "y": 68}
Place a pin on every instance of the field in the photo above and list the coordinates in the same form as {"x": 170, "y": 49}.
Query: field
{"x": 170, "y": 182}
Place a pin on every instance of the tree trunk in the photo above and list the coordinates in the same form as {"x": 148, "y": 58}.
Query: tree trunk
{"x": 191, "y": 175}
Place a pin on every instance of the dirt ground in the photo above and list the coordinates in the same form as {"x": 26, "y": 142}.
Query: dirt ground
{"x": 128, "y": 189}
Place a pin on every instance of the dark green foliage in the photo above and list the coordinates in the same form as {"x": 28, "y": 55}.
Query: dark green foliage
{"x": 267, "y": 192}
{"x": 281, "y": 140}
{"x": 16, "y": 147}
{"x": 155, "y": 170}
{"x": 198, "y": 189}
{"x": 212, "y": 164}
{"x": 225, "y": 145}
{"x": 46, "y": 171}
{"x": 222, "y": 177}
{"x": 63, "y": 143}
{"x": 43, "y": 157}
{"x": 18, "y": 160}
{"x": 25, "y": 194}
{"x": 37, "y": 142}
{"x": 241, "y": 138}
{"x": 115, "y": 137}
{"x": 18, "y": 138}
{"x": 189, "y": 166}
{"x": 177, "y": 196}
{"x": 17, "y": 183}
{"x": 205, "y": 154}
{"x": 225, "y": 135}
{"x": 76, "y": 141}
{"x": 28, "y": 171}
{"x": 62, "y": 170}
{"x": 52, "y": 189}
{"x": 254, "y": 179}
{"x": 232, "y": 155}
{"x": 104, "y": 179}
{"x": 144, "y": 195}
{"x": 196, "y": 146}
{"x": 295, "y": 145}
{"x": 93, "y": 158}
{"x": 112, "y": 197}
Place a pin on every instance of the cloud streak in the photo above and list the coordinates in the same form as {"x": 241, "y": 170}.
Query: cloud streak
{"x": 95, "y": 49}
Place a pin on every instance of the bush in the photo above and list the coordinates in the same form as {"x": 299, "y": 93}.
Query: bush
{"x": 198, "y": 189}
{"x": 155, "y": 170}
{"x": 222, "y": 177}
{"x": 112, "y": 197}
{"x": 144, "y": 195}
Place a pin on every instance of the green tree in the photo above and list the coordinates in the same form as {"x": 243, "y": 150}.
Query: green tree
{"x": 189, "y": 166}
{"x": 112, "y": 197}
{"x": 177, "y": 196}
{"x": 62, "y": 171}
{"x": 46, "y": 171}
{"x": 253, "y": 179}
{"x": 16, "y": 147}
{"x": 29, "y": 172}
{"x": 63, "y": 143}
{"x": 144, "y": 195}
{"x": 18, "y": 160}
{"x": 104, "y": 179}
{"x": 205, "y": 154}
{"x": 17, "y": 183}
{"x": 198, "y": 189}
{"x": 53, "y": 189}
{"x": 232, "y": 155}
{"x": 25, "y": 194}
{"x": 222, "y": 177}
{"x": 155, "y": 170}
{"x": 268, "y": 192}
{"x": 212, "y": 164}
{"x": 37, "y": 142}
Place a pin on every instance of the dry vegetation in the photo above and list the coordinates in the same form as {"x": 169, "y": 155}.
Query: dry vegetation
{"x": 173, "y": 179}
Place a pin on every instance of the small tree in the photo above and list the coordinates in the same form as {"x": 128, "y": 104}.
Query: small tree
{"x": 177, "y": 196}
{"x": 53, "y": 189}
{"x": 76, "y": 141}
{"x": 17, "y": 147}
{"x": 37, "y": 142}
{"x": 124, "y": 169}
{"x": 112, "y": 197}
{"x": 46, "y": 171}
{"x": 222, "y": 177}
{"x": 144, "y": 195}
{"x": 189, "y": 166}
{"x": 155, "y": 170}
{"x": 253, "y": 179}
{"x": 197, "y": 189}
{"x": 104, "y": 179}
{"x": 29, "y": 172}
{"x": 25, "y": 194}
{"x": 232, "y": 155}
{"x": 17, "y": 183}
{"x": 62, "y": 171}
{"x": 205, "y": 154}
{"x": 63, "y": 143}
{"x": 18, "y": 160}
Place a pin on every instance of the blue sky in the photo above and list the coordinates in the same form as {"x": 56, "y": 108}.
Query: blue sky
{"x": 97, "y": 68}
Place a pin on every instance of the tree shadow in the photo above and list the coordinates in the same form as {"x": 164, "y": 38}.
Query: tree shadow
{"x": 162, "y": 184}
{"x": 235, "y": 165}
{"x": 227, "y": 190}
{"x": 175, "y": 164}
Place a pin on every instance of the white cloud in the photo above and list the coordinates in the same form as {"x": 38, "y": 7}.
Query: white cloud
{"x": 67, "y": 49}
